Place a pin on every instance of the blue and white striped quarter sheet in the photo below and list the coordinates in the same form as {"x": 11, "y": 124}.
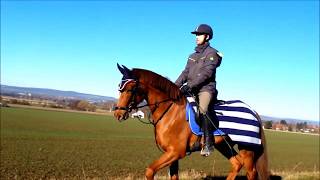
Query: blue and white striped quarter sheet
{"x": 236, "y": 119}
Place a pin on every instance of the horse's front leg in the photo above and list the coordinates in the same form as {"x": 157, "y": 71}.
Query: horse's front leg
{"x": 165, "y": 159}
{"x": 174, "y": 170}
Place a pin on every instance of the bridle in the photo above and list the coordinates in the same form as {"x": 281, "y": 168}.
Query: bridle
{"x": 132, "y": 103}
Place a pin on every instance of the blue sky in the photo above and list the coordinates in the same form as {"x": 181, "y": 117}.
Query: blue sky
{"x": 271, "y": 48}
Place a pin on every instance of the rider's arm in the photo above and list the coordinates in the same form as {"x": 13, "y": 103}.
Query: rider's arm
{"x": 184, "y": 75}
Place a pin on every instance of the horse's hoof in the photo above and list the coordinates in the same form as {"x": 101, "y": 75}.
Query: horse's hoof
{"x": 149, "y": 173}
{"x": 206, "y": 151}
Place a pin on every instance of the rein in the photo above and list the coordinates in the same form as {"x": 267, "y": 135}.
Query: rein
{"x": 156, "y": 105}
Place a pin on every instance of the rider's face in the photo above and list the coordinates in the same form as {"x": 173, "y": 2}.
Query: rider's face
{"x": 201, "y": 39}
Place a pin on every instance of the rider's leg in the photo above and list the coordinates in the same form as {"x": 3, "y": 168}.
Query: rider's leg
{"x": 204, "y": 101}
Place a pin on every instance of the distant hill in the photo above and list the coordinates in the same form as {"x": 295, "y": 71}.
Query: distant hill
{"x": 6, "y": 90}
{"x": 288, "y": 120}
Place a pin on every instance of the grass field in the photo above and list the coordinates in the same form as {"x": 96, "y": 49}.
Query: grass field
{"x": 37, "y": 144}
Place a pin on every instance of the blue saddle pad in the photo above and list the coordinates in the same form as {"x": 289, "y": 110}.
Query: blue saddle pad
{"x": 236, "y": 120}
{"x": 195, "y": 128}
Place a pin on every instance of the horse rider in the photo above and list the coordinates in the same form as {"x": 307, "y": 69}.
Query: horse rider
{"x": 199, "y": 78}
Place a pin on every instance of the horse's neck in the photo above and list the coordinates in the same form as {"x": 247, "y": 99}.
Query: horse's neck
{"x": 155, "y": 97}
{"x": 169, "y": 117}
{"x": 157, "y": 102}
{"x": 160, "y": 102}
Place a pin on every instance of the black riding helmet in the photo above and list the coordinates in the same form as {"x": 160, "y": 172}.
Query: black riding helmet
{"x": 203, "y": 29}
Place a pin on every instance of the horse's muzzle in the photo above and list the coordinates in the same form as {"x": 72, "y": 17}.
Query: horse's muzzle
{"x": 121, "y": 115}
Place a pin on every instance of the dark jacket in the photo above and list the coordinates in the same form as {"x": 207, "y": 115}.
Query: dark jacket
{"x": 200, "y": 71}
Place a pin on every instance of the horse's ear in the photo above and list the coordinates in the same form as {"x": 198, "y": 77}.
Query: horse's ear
{"x": 127, "y": 73}
{"x": 126, "y": 69}
{"x": 121, "y": 69}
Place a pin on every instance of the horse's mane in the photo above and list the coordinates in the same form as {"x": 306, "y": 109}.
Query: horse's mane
{"x": 157, "y": 81}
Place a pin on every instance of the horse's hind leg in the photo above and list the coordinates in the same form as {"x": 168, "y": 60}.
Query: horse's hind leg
{"x": 248, "y": 163}
{"x": 236, "y": 165}
{"x": 244, "y": 158}
{"x": 227, "y": 150}
{"x": 174, "y": 169}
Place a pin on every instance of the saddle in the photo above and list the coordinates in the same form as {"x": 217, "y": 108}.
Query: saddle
{"x": 211, "y": 112}
{"x": 192, "y": 113}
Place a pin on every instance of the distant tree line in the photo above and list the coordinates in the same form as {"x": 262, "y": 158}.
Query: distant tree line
{"x": 80, "y": 105}
{"x": 268, "y": 125}
{"x": 299, "y": 126}
{"x": 22, "y": 102}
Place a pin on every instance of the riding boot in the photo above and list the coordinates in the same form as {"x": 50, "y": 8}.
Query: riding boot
{"x": 208, "y": 136}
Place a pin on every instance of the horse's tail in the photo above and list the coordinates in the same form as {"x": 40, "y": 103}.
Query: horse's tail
{"x": 261, "y": 161}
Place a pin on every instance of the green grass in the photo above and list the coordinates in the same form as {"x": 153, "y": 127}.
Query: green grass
{"x": 42, "y": 144}
{"x": 290, "y": 151}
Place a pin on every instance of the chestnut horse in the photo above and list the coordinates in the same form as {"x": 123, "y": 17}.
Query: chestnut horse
{"x": 173, "y": 134}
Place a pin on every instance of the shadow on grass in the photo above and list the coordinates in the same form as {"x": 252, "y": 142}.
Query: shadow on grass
{"x": 272, "y": 177}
